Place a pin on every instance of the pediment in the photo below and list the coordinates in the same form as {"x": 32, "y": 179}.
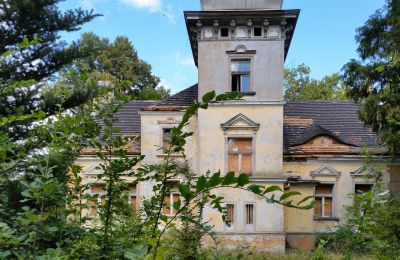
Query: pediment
{"x": 240, "y": 121}
{"x": 326, "y": 171}
{"x": 361, "y": 172}
{"x": 94, "y": 170}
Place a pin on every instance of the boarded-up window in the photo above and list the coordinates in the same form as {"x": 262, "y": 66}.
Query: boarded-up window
{"x": 240, "y": 155}
{"x": 166, "y": 139}
{"x": 230, "y": 214}
{"x": 249, "y": 214}
{"x": 324, "y": 201}
{"x": 168, "y": 207}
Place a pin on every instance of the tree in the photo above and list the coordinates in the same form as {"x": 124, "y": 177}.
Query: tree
{"x": 374, "y": 80}
{"x": 31, "y": 52}
{"x": 299, "y": 85}
{"x": 112, "y": 61}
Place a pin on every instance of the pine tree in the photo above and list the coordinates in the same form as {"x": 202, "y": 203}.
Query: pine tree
{"x": 30, "y": 53}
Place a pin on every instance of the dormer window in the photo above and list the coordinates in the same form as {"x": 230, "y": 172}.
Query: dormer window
{"x": 240, "y": 74}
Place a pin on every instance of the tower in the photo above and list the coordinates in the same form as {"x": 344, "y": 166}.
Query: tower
{"x": 241, "y": 45}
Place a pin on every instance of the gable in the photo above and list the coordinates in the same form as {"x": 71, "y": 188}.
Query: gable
{"x": 326, "y": 171}
{"x": 240, "y": 121}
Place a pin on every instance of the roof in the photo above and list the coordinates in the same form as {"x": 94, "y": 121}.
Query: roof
{"x": 184, "y": 98}
{"x": 338, "y": 119}
{"x": 129, "y": 118}
{"x": 303, "y": 120}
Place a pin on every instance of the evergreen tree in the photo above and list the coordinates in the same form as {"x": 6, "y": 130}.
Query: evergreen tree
{"x": 30, "y": 53}
{"x": 374, "y": 79}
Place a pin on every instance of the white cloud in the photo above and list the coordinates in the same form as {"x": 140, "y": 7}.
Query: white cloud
{"x": 169, "y": 13}
{"x": 179, "y": 58}
{"x": 154, "y": 6}
{"x": 175, "y": 83}
{"x": 151, "y": 5}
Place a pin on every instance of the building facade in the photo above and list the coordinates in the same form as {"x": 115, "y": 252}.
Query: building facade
{"x": 312, "y": 147}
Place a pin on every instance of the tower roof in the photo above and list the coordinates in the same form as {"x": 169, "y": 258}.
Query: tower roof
{"x": 213, "y": 5}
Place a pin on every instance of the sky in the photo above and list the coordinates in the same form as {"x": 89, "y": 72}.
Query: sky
{"x": 324, "y": 38}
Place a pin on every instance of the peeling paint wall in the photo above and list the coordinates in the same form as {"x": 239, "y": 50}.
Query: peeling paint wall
{"x": 350, "y": 173}
{"x": 268, "y": 138}
{"x": 266, "y": 68}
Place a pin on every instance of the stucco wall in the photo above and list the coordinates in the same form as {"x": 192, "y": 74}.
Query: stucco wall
{"x": 344, "y": 183}
{"x": 266, "y": 68}
{"x": 268, "y": 138}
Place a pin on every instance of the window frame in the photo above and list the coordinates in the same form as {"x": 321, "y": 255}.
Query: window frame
{"x": 241, "y": 74}
{"x": 232, "y": 227}
{"x": 247, "y": 226}
{"x": 243, "y": 56}
{"x": 253, "y": 151}
{"x": 103, "y": 193}
{"x": 162, "y": 137}
{"x": 171, "y": 203}
{"x": 323, "y": 196}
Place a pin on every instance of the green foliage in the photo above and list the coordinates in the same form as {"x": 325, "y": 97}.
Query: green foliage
{"x": 373, "y": 222}
{"x": 373, "y": 81}
{"x": 110, "y": 62}
{"x": 299, "y": 85}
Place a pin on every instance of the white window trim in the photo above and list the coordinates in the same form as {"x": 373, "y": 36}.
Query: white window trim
{"x": 323, "y": 196}
{"x": 249, "y": 227}
{"x": 233, "y": 57}
{"x": 171, "y": 203}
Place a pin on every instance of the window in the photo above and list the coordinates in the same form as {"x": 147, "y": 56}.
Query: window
{"x": 224, "y": 32}
{"x": 230, "y": 214}
{"x": 240, "y": 155}
{"x": 257, "y": 31}
{"x": 133, "y": 198}
{"x": 249, "y": 214}
{"x": 240, "y": 72}
{"x": 324, "y": 201}
{"x": 99, "y": 191}
{"x": 166, "y": 145}
{"x": 361, "y": 189}
{"x": 168, "y": 207}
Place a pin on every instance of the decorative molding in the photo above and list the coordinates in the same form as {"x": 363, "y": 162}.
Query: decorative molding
{"x": 168, "y": 121}
{"x": 360, "y": 172}
{"x": 241, "y": 49}
{"x": 325, "y": 171}
{"x": 248, "y": 123}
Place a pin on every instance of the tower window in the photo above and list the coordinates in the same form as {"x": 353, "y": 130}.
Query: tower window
{"x": 257, "y": 31}
{"x": 240, "y": 72}
{"x": 224, "y": 32}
